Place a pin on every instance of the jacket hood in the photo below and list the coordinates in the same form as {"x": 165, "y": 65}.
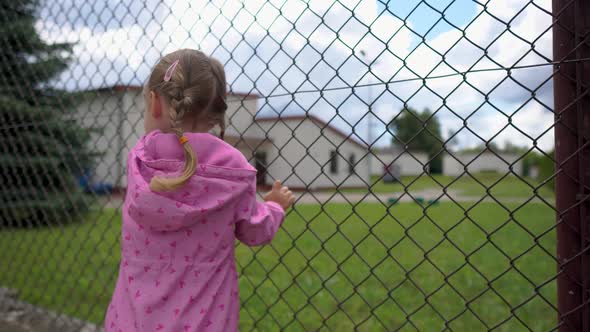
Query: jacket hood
{"x": 222, "y": 177}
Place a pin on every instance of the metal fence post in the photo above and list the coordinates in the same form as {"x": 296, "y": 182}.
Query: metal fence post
{"x": 572, "y": 165}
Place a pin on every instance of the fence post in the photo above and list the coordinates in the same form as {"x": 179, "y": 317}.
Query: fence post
{"x": 572, "y": 150}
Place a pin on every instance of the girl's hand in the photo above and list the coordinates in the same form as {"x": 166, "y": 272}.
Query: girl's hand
{"x": 280, "y": 195}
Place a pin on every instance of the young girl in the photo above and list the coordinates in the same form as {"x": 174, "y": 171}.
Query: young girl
{"x": 190, "y": 195}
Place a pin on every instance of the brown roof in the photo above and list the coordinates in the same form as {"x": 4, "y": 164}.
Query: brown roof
{"x": 319, "y": 122}
{"x": 133, "y": 87}
{"x": 396, "y": 149}
{"x": 249, "y": 142}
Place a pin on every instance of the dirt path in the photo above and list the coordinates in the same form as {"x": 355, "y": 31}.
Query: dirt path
{"x": 323, "y": 197}
{"x": 20, "y": 316}
{"x": 426, "y": 195}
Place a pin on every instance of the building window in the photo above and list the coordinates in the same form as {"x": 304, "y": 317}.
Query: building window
{"x": 333, "y": 162}
{"x": 351, "y": 163}
{"x": 260, "y": 158}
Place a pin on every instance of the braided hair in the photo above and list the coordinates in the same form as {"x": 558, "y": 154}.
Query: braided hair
{"x": 193, "y": 85}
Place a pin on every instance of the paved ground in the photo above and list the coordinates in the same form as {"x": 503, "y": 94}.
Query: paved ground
{"x": 11, "y": 327}
{"x": 354, "y": 197}
{"x": 450, "y": 196}
{"x": 19, "y": 316}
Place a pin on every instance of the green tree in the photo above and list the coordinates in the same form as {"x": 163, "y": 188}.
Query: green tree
{"x": 419, "y": 131}
{"x": 547, "y": 168}
{"x": 545, "y": 164}
{"x": 491, "y": 146}
{"x": 452, "y": 140}
{"x": 42, "y": 149}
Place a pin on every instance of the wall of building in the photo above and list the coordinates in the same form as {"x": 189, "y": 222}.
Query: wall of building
{"x": 410, "y": 163}
{"x": 300, "y": 155}
{"x": 458, "y": 163}
{"x": 101, "y": 111}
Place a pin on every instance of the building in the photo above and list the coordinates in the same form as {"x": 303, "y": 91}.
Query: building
{"x": 303, "y": 151}
{"x": 409, "y": 163}
{"x": 309, "y": 153}
{"x": 479, "y": 162}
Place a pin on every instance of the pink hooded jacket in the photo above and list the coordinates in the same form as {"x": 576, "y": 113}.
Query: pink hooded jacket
{"x": 177, "y": 269}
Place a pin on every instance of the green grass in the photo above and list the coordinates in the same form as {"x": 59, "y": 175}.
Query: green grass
{"x": 360, "y": 267}
{"x": 466, "y": 185}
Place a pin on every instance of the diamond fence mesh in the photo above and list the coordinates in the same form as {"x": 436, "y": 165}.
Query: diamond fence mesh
{"x": 464, "y": 216}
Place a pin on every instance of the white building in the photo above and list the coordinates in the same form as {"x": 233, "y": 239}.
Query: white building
{"x": 487, "y": 161}
{"x": 409, "y": 163}
{"x": 303, "y": 151}
{"x": 307, "y": 152}
{"x": 117, "y": 113}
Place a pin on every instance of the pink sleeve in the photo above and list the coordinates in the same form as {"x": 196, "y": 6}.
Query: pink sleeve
{"x": 259, "y": 222}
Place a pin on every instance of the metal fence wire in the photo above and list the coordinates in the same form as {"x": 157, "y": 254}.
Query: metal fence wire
{"x": 439, "y": 149}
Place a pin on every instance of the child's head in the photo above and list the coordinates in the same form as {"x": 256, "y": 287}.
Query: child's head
{"x": 186, "y": 91}
{"x": 190, "y": 98}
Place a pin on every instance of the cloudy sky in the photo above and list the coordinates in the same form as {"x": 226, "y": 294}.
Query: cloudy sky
{"x": 448, "y": 56}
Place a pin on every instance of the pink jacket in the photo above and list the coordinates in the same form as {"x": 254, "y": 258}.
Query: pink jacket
{"x": 177, "y": 269}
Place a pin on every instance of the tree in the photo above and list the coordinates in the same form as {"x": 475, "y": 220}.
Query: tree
{"x": 545, "y": 164}
{"x": 491, "y": 146}
{"x": 547, "y": 168}
{"x": 41, "y": 149}
{"x": 510, "y": 147}
{"x": 419, "y": 131}
{"x": 452, "y": 140}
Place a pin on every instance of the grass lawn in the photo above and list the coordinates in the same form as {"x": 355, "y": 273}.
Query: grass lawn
{"x": 336, "y": 267}
{"x": 466, "y": 185}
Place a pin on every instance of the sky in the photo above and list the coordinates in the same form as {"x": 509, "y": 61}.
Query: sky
{"x": 307, "y": 56}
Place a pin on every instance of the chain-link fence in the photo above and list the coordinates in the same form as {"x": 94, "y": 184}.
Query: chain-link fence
{"x": 418, "y": 134}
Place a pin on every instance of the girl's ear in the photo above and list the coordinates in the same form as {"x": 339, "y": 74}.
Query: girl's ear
{"x": 155, "y": 105}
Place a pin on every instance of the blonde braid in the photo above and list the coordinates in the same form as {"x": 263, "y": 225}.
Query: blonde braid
{"x": 193, "y": 84}
{"x": 177, "y": 112}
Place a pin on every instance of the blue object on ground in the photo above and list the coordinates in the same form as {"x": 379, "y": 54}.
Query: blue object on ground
{"x": 95, "y": 188}
{"x": 101, "y": 188}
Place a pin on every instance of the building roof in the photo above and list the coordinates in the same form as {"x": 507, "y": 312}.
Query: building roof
{"x": 134, "y": 87}
{"x": 475, "y": 151}
{"x": 317, "y": 121}
{"x": 249, "y": 141}
{"x": 246, "y": 142}
{"x": 396, "y": 149}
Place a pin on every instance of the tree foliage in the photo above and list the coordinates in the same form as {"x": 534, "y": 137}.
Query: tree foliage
{"x": 42, "y": 149}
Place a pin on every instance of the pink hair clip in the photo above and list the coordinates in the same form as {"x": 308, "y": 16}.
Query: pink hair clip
{"x": 170, "y": 71}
